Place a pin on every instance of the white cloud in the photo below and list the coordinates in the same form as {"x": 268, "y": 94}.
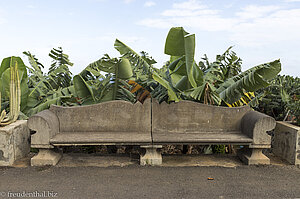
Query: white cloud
{"x": 157, "y": 23}
{"x": 187, "y": 13}
{"x": 254, "y": 11}
{"x": 252, "y": 26}
{"x": 192, "y": 14}
{"x": 189, "y": 5}
{"x": 128, "y": 1}
{"x": 281, "y": 25}
{"x": 149, "y": 4}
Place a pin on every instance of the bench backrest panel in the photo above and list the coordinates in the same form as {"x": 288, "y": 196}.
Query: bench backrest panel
{"x": 191, "y": 117}
{"x": 112, "y": 116}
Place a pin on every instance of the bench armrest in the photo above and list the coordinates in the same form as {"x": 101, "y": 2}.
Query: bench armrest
{"x": 46, "y": 125}
{"x": 255, "y": 125}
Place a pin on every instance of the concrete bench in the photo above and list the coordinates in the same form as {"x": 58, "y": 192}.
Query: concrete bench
{"x": 150, "y": 126}
{"x": 188, "y": 122}
{"x": 108, "y": 123}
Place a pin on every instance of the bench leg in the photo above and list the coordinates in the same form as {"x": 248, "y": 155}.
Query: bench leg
{"x": 152, "y": 156}
{"x": 45, "y": 157}
{"x": 253, "y": 156}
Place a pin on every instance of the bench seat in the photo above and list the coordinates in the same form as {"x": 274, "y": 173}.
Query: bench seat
{"x": 202, "y": 138}
{"x": 103, "y": 138}
{"x": 149, "y": 125}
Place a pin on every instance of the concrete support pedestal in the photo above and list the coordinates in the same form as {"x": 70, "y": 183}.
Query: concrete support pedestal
{"x": 152, "y": 156}
{"x": 253, "y": 156}
{"x": 46, "y": 157}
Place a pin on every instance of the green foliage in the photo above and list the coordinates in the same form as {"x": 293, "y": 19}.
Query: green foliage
{"x": 5, "y": 76}
{"x": 181, "y": 78}
{"x": 281, "y": 99}
{"x": 219, "y": 83}
{"x": 14, "y": 92}
{"x": 219, "y": 148}
{"x": 54, "y": 87}
{"x": 92, "y": 86}
{"x": 144, "y": 73}
{"x": 59, "y": 74}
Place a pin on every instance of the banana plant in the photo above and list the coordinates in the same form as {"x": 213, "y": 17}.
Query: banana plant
{"x": 54, "y": 87}
{"x": 218, "y": 83}
{"x": 104, "y": 80}
{"x": 15, "y": 96}
{"x": 281, "y": 99}
{"x": 146, "y": 75}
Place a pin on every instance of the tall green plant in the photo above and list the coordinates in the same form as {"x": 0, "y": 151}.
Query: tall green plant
{"x": 15, "y": 96}
{"x": 104, "y": 80}
{"x": 53, "y": 87}
{"x": 5, "y": 78}
{"x": 217, "y": 83}
{"x": 59, "y": 74}
{"x": 281, "y": 99}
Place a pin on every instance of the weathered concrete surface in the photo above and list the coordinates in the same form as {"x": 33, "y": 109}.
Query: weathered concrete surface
{"x": 191, "y": 122}
{"x": 46, "y": 157}
{"x": 186, "y": 121}
{"x": 112, "y": 116}
{"x": 253, "y": 156}
{"x": 14, "y": 142}
{"x": 46, "y": 125}
{"x": 193, "y": 117}
{"x": 107, "y": 120}
{"x": 286, "y": 142}
{"x": 110, "y": 123}
{"x": 123, "y": 123}
{"x": 256, "y": 125}
{"x": 121, "y": 160}
{"x": 155, "y": 182}
{"x": 96, "y": 160}
{"x": 152, "y": 155}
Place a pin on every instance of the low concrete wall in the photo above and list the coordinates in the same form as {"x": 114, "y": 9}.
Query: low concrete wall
{"x": 286, "y": 142}
{"x": 14, "y": 142}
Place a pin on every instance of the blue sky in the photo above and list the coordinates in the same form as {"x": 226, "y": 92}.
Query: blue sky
{"x": 260, "y": 31}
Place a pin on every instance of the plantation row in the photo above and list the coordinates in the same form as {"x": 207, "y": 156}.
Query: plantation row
{"x": 132, "y": 77}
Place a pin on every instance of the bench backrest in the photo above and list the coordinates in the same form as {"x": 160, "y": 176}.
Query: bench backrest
{"x": 189, "y": 117}
{"x": 112, "y": 116}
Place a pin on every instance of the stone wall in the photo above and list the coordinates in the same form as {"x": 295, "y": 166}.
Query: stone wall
{"x": 286, "y": 142}
{"x": 14, "y": 142}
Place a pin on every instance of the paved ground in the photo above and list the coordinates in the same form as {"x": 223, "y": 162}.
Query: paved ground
{"x": 154, "y": 182}
{"x": 128, "y": 180}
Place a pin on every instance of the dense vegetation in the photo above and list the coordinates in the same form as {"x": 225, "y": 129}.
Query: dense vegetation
{"x": 281, "y": 99}
{"x": 132, "y": 77}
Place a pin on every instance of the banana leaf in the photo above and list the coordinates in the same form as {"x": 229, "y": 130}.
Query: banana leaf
{"x": 251, "y": 80}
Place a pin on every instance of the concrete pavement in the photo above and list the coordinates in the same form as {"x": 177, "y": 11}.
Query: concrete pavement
{"x": 175, "y": 179}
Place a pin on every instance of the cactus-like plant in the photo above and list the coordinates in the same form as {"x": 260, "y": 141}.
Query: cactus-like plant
{"x": 15, "y": 97}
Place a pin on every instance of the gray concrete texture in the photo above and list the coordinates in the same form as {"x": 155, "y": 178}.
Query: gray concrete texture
{"x": 154, "y": 182}
{"x": 255, "y": 125}
{"x": 112, "y": 116}
{"x": 287, "y": 142}
{"x": 120, "y": 122}
{"x": 193, "y": 117}
{"x": 46, "y": 125}
{"x": 14, "y": 142}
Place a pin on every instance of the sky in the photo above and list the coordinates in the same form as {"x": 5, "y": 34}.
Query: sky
{"x": 260, "y": 30}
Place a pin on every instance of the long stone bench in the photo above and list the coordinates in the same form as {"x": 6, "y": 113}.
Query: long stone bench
{"x": 108, "y": 123}
{"x": 150, "y": 126}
